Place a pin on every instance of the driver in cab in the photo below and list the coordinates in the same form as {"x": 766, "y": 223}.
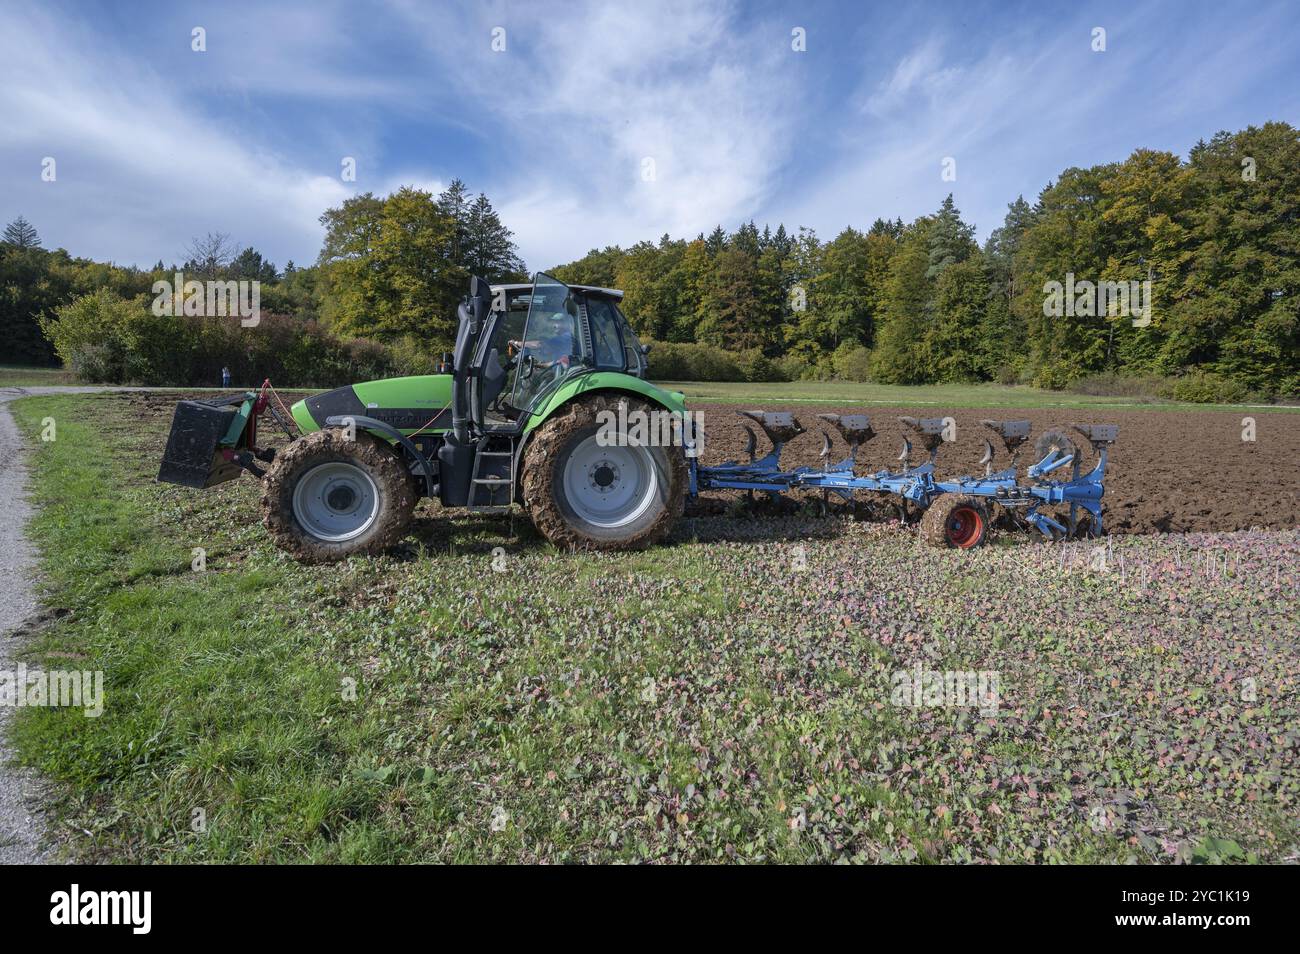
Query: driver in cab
{"x": 552, "y": 342}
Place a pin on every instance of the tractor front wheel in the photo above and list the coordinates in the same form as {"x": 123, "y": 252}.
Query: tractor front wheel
{"x": 586, "y": 491}
{"x": 955, "y": 520}
{"x": 326, "y": 497}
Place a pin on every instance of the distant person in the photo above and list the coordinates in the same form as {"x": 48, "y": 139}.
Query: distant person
{"x": 225, "y": 377}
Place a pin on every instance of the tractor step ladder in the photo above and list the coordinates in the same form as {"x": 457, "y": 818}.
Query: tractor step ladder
{"x": 492, "y": 487}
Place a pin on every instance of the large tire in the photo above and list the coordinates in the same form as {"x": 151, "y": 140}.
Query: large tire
{"x": 585, "y": 497}
{"x": 955, "y": 520}
{"x": 326, "y": 497}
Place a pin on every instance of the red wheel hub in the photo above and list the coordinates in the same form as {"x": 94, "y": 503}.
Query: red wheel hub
{"x": 965, "y": 527}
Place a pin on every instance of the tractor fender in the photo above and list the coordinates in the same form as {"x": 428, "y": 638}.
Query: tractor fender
{"x": 392, "y": 433}
{"x": 604, "y": 382}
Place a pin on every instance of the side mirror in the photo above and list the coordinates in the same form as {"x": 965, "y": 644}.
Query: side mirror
{"x": 645, "y": 349}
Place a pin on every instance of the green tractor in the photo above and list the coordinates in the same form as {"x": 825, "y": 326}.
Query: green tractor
{"x": 545, "y": 383}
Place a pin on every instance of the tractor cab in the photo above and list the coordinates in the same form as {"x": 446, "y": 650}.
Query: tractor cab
{"x": 539, "y": 335}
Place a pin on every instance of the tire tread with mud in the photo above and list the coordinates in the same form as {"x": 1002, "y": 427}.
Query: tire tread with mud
{"x": 548, "y": 482}
{"x": 394, "y": 488}
{"x": 935, "y": 521}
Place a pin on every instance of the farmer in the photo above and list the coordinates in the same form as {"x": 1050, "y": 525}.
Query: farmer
{"x": 225, "y": 377}
{"x": 553, "y": 342}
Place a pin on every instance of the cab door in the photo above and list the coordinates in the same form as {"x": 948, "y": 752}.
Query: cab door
{"x": 551, "y": 343}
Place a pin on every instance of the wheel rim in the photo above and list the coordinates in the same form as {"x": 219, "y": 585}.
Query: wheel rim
{"x": 609, "y": 487}
{"x": 336, "y": 501}
{"x": 964, "y": 527}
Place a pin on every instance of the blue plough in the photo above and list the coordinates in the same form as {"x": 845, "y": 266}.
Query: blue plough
{"x": 955, "y": 512}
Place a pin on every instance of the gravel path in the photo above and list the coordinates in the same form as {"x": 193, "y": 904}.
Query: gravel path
{"x": 22, "y": 825}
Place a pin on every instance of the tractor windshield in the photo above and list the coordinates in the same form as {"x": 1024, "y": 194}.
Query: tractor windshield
{"x": 550, "y": 345}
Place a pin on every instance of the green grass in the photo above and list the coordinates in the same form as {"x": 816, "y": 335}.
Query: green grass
{"x": 939, "y": 395}
{"x": 22, "y": 376}
{"x": 725, "y": 697}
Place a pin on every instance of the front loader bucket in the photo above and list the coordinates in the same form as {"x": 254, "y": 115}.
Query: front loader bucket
{"x": 201, "y": 431}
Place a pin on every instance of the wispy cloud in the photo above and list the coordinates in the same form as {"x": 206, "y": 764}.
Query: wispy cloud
{"x": 155, "y": 143}
{"x": 920, "y": 74}
{"x": 630, "y": 120}
{"x": 1033, "y": 98}
{"x": 139, "y": 170}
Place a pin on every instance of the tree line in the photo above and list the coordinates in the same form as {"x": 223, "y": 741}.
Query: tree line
{"x": 1210, "y": 246}
{"x": 380, "y": 299}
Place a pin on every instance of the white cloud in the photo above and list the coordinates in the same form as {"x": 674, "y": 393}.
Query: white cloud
{"x": 140, "y": 171}
{"x": 585, "y": 94}
{"x": 919, "y": 72}
{"x": 156, "y": 146}
{"x": 1017, "y": 110}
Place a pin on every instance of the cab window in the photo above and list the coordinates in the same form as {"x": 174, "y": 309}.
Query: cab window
{"x": 635, "y": 360}
{"x": 550, "y": 346}
{"x": 605, "y": 339}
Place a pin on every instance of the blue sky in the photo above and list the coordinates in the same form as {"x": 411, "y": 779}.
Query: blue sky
{"x": 155, "y": 143}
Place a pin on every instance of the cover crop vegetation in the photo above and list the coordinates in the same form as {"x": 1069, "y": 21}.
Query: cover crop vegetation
{"x": 729, "y": 696}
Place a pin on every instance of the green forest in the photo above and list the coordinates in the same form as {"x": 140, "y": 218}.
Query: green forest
{"x": 1214, "y": 241}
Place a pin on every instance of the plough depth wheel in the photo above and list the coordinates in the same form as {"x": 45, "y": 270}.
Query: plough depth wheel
{"x": 955, "y": 520}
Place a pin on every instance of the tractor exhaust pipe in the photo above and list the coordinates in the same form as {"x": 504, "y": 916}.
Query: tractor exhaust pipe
{"x": 473, "y": 311}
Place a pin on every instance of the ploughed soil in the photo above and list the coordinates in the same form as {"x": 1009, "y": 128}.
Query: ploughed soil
{"x": 1169, "y": 470}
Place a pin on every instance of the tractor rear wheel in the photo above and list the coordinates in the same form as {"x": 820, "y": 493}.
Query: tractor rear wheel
{"x": 955, "y": 520}
{"x": 326, "y": 497}
{"x": 585, "y": 493}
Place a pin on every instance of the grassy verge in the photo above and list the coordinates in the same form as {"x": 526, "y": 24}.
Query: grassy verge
{"x": 478, "y": 696}
{"x": 949, "y": 395}
{"x": 23, "y": 376}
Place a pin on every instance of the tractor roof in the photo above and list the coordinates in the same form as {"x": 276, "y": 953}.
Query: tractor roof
{"x": 589, "y": 289}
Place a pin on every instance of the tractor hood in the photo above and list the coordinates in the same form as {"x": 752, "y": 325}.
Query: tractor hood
{"x": 417, "y": 403}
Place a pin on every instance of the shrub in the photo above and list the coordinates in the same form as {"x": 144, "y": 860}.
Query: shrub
{"x": 369, "y": 360}
{"x": 795, "y": 367}
{"x": 104, "y": 338}
{"x": 1206, "y": 387}
{"x": 1052, "y": 377}
{"x": 709, "y": 363}
{"x": 682, "y": 361}
{"x": 851, "y": 362}
{"x": 756, "y": 366}
{"x": 1110, "y": 384}
{"x": 1007, "y": 374}
{"x": 92, "y": 335}
{"x": 411, "y": 358}
{"x": 667, "y": 362}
